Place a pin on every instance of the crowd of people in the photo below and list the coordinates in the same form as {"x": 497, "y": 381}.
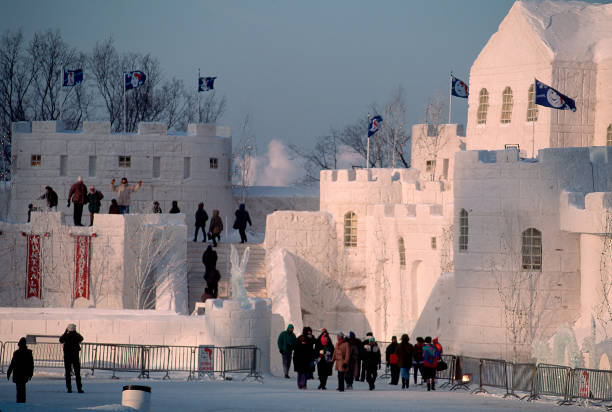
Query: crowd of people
{"x": 358, "y": 360}
{"x": 79, "y": 195}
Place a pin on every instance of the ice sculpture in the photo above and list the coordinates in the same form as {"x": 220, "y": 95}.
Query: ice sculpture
{"x": 238, "y": 270}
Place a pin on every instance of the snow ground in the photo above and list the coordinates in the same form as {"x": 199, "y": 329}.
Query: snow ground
{"x": 46, "y": 392}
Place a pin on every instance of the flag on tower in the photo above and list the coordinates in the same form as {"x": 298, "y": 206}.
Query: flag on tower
{"x": 73, "y": 77}
{"x": 549, "y": 97}
{"x": 459, "y": 88}
{"x": 206, "y": 83}
{"x": 134, "y": 80}
{"x": 374, "y": 125}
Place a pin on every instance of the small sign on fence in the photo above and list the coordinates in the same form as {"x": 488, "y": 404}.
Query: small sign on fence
{"x": 584, "y": 385}
{"x": 206, "y": 360}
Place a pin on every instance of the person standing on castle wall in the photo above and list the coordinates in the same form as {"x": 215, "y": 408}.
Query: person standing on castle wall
{"x": 22, "y": 369}
{"x": 72, "y": 346}
{"x": 215, "y": 228}
{"x": 174, "y": 209}
{"x": 404, "y": 354}
{"x": 51, "y": 198}
{"x": 211, "y": 274}
{"x": 113, "y": 209}
{"x": 392, "y": 360}
{"x": 30, "y": 210}
{"x": 286, "y": 343}
{"x": 200, "y": 222}
{"x": 342, "y": 357}
{"x": 78, "y": 195}
{"x": 324, "y": 349}
{"x": 155, "y": 208}
{"x": 94, "y": 197}
{"x": 242, "y": 218}
{"x": 124, "y": 194}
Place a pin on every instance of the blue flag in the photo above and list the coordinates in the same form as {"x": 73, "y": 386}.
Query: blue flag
{"x": 134, "y": 80}
{"x": 73, "y": 77}
{"x": 206, "y": 83}
{"x": 459, "y": 88}
{"x": 549, "y": 97}
{"x": 374, "y": 125}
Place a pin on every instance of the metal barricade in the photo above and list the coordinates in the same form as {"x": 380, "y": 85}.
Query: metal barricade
{"x": 241, "y": 359}
{"x": 469, "y": 367}
{"x": 553, "y": 380}
{"x": 591, "y": 385}
{"x": 493, "y": 373}
{"x": 523, "y": 377}
{"x": 449, "y": 373}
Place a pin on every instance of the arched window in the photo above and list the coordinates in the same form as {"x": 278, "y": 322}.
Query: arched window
{"x": 463, "y": 230}
{"x": 402, "y": 251}
{"x": 532, "y": 249}
{"x": 350, "y": 229}
{"x": 609, "y": 136}
{"x": 532, "y": 109}
{"x": 507, "y": 102}
{"x": 483, "y": 106}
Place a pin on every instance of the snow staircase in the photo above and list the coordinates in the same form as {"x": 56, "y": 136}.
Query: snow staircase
{"x": 254, "y": 278}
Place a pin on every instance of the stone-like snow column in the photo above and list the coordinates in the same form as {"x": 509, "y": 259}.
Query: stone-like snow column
{"x": 591, "y": 248}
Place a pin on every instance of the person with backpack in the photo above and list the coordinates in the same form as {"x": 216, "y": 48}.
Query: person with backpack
{"x": 431, "y": 357}
{"x": 391, "y": 359}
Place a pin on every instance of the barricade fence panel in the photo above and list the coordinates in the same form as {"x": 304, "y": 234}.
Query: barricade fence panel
{"x": 591, "y": 384}
{"x": 523, "y": 377}
{"x": 471, "y": 366}
{"x": 493, "y": 373}
{"x": 552, "y": 380}
{"x": 450, "y": 371}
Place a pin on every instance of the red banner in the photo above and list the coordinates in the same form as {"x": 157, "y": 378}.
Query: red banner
{"x": 33, "y": 281}
{"x": 82, "y": 253}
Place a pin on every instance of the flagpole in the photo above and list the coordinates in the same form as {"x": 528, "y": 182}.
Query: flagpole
{"x": 124, "y": 105}
{"x": 368, "y": 148}
{"x": 199, "y": 110}
{"x": 450, "y": 96}
{"x": 60, "y": 94}
{"x": 533, "y": 123}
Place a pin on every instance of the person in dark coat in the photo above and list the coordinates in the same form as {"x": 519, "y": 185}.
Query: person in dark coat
{"x": 51, "y": 198}
{"x": 286, "y": 343}
{"x": 362, "y": 375}
{"x": 303, "y": 356}
{"x": 94, "y": 203}
{"x": 242, "y": 218}
{"x": 353, "y": 372}
{"x": 174, "y": 208}
{"x": 372, "y": 360}
{"x": 114, "y": 209}
{"x": 200, "y": 222}
{"x": 417, "y": 359}
{"x": 22, "y": 369}
{"x": 310, "y": 339}
{"x": 393, "y": 366}
{"x": 72, "y": 346}
{"x": 78, "y": 195}
{"x": 404, "y": 359}
{"x": 215, "y": 228}
{"x": 324, "y": 349}
{"x": 156, "y": 208}
{"x": 30, "y": 210}
{"x": 211, "y": 274}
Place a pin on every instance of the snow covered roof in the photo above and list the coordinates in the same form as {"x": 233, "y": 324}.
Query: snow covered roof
{"x": 572, "y": 30}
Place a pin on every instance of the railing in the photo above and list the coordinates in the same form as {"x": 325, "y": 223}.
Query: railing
{"x": 147, "y": 359}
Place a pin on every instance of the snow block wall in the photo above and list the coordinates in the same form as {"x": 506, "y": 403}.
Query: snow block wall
{"x": 189, "y": 167}
{"x": 124, "y": 249}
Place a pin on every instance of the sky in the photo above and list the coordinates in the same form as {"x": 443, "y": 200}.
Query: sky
{"x": 297, "y": 68}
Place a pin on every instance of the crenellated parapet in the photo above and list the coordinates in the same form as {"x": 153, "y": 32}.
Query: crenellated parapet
{"x": 585, "y": 212}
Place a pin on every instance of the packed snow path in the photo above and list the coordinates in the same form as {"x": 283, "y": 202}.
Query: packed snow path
{"x": 102, "y": 393}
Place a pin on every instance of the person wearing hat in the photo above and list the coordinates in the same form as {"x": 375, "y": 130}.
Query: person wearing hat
{"x": 94, "y": 199}
{"x": 22, "y": 369}
{"x": 355, "y": 361}
{"x": 372, "y": 360}
{"x": 72, "y": 346}
{"x": 78, "y": 195}
{"x": 324, "y": 349}
{"x": 286, "y": 343}
{"x": 392, "y": 359}
{"x": 342, "y": 357}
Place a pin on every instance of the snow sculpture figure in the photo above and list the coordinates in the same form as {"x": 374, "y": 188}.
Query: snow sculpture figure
{"x": 238, "y": 270}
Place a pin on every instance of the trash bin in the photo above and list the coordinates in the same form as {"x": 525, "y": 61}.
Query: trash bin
{"x": 137, "y": 397}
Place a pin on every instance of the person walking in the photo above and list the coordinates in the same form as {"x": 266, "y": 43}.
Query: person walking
{"x": 22, "y": 369}
{"x": 215, "y": 228}
{"x": 324, "y": 349}
{"x": 211, "y": 274}
{"x": 404, "y": 359}
{"x": 78, "y": 195}
{"x": 362, "y": 374}
{"x": 242, "y": 218}
{"x": 302, "y": 360}
{"x": 51, "y": 197}
{"x": 124, "y": 194}
{"x": 354, "y": 362}
{"x": 392, "y": 359}
{"x": 200, "y": 222}
{"x": 72, "y": 346}
{"x": 372, "y": 360}
{"x": 431, "y": 356}
{"x": 155, "y": 208}
{"x": 113, "y": 209}
{"x": 286, "y": 343}
{"x": 94, "y": 203}
{"x": 342, "y": 357}
{"x": 417, "y": 359}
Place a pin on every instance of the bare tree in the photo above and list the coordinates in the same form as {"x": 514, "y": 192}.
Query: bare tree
{"x": 244, "y": 157}
{"x": 324, "y": 156}
{"x": 429, "y": 143}
{"x": 603, "y": 306}
{"x": 212, "y": 108}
